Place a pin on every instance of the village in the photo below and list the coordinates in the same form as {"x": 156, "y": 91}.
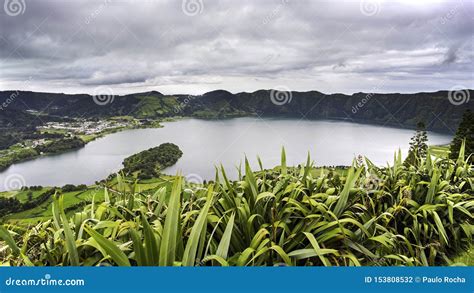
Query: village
{"x": 84, "y": 127}
{"x": 62, "y": 132}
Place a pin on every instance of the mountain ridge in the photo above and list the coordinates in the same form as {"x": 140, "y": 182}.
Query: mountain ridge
{"x": 395, "y": 109}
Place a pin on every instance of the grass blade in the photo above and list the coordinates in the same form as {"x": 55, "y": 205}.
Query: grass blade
{"x": 189, "y": 256}
{"x": 223, "y": 248}
{"x": 112, "y": 250}
{"x": 170, "y": 230}
{"x": 5, "y": 235}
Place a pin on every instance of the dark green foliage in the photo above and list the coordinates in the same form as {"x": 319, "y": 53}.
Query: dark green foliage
{"x": 33, "y": 187}
{"x": 72, "y": 187}
{"x": 17, "y": 124}
{"x": 21, "y": 155}
{"x": 47, "y": 135}
{"x": 13, "y": 205}
{"x": 465, "y": 132}
{"x": 61, "y": 145}
{"x": 418, "y": 146}
{"x": 150, "y": 161}
{"x": 379, "y": 109}
{"x": 7, "y": 140}
{"x": 9, "y": 205}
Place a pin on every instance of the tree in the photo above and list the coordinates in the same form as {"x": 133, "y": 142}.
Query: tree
{"x": 465, "y": 131}
{"x": 418, "y": 147}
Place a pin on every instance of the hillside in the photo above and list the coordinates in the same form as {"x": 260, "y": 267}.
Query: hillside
{"x": 401, "y": 110}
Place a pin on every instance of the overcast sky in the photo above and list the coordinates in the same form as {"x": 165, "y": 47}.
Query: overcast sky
{"x": 196, "y": 46}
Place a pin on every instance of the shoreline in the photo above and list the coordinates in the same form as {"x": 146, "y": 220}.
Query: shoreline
{"x": 85, "y": 140}
{"x": 160, "y": 124}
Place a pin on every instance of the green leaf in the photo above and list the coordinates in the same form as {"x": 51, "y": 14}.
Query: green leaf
{"x": 250, "y": 179}
{"x": 189, "y": 256}
{"x": 283, "y": 161}
{"x": 58, "y": 210}
{"x": 5, "y": 235}
{"x": 441, "y": 231}
{"x": 317, "y": 250}
{"x": 170, "y": 230}
{"x": 265, "y": 196}
{"x": 151, "y": 244}
{"x": 344, "y": 196}
{"x": 217, "y": 258}
{"x": 432, "y": 188}
{"x": 140, "y": 256}
{"x": 223, "y": 248}
{"x": 112, "y": 250}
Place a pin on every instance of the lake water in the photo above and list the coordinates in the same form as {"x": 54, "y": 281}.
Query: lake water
{"x": 208, "y": 143}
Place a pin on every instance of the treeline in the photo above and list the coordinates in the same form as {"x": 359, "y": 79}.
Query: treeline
{"x": 50, "y": 135}
{"x": 7, "y": 140}
{"x": 149, "y": 162}
{"x": 72, "y": 187}
{"x": 18, "y": 156}
{"x": 56, "y": 146}
{"x": 13, "y": 205}
{"x": 360, "y": 107}
{"x": 61, "y": 145}
{"x": 32, "y": 188}
{"x": 465, "y": 132}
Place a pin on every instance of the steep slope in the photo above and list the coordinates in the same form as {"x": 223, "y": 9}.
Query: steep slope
{"x": 401, "y": 110}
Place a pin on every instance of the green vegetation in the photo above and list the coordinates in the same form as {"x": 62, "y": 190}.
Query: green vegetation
{"x": 465, "y": 132}
{"x": 7, "y": 140}
{"x": 9, "y": 205}
{"x": 220, "y": 104}
{"x": 61, "y": 145}
{"x": 149, "y": 162}
{"x": 398, "y": 215}
{"x": 440, "y": 151}
{"x": 150, "y": 106}
{"x": 466, "y": 258}
{"x": 418, "y": 146}
{"x": 17, "y": 156}
{"x": 73, "y": 201}
{"x": 20, "y": 144}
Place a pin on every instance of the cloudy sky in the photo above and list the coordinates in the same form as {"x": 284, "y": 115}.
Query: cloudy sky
{"x": 194, "y": 46}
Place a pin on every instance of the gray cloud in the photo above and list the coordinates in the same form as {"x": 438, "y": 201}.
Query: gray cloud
{"x": 451, "y": 55}
{"x": 74, "y": 46}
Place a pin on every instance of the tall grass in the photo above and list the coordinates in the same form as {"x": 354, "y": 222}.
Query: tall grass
{"x": 415, "y": 216}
